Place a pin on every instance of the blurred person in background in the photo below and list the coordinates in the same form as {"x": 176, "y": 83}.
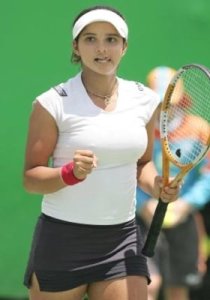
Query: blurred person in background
{"x": 178, "y": 264}
{"x": 200, "y": 201}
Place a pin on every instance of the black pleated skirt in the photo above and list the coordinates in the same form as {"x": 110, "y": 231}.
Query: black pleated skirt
{"x": 65, "y": 255}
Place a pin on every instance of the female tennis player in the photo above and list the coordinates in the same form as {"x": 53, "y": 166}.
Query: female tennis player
{"x": 96, "y": 129}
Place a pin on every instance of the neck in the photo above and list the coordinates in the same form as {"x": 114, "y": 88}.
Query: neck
{"x": 101, "y": 88}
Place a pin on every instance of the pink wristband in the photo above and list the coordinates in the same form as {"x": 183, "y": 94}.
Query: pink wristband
{"x": 67, "y": 174}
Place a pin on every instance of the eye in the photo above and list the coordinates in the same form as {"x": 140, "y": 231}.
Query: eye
{"x": 112, "y": 39}
{"x": 90, "y": 39}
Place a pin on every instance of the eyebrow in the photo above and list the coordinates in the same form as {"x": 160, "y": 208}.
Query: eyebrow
{"x": 108, "y": 34}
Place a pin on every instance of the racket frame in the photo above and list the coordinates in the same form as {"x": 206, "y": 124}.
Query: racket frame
{"x": 167, "y": 158}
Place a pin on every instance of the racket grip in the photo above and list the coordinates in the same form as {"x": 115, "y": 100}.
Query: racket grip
{"x": 155, "y": 228}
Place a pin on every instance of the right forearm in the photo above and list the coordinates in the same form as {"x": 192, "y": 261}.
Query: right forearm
{"x": 43, "y": 180}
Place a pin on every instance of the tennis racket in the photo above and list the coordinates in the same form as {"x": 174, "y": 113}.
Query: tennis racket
{"x": 184, "y": 133}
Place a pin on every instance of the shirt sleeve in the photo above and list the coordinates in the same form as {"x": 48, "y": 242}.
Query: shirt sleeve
{"x": 148, "y": 100}
{"x": 51, "y": 101}
{"x": 153, "y": 102}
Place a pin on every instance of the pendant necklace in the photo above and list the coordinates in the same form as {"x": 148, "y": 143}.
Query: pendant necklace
{"x": 106, "y": 98}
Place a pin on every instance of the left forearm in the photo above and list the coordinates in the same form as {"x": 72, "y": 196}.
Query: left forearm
{"x": 146, "y": 174}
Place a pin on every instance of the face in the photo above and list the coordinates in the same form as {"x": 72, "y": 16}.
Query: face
{"x": 100, "y": 48}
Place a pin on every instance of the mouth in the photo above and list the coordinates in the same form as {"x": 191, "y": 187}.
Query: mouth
{"x": 102, "y": 59}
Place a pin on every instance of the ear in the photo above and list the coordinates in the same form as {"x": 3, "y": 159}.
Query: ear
{"x": 125, "y": 47}
{"x": 75, "y": 48}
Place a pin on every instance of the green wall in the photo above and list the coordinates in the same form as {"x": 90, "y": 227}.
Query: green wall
{"x": 35, "y": 55}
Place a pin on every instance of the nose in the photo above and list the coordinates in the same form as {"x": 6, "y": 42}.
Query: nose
{"x": 101, "y": 47}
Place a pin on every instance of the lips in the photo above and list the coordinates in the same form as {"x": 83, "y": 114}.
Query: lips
{"x": 102, "y": 60}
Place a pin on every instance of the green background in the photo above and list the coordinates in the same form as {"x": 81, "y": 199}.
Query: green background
{"x": 35, "y": 47}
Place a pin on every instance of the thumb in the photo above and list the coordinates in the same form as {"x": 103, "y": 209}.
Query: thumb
{"x": 159, "y": 181}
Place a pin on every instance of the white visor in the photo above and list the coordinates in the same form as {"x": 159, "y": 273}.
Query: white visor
{"x": 101, "y": 15}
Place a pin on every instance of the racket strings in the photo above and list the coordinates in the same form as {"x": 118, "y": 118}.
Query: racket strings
{"x": 188, "y": 117}
{"x": 184, "y": 131}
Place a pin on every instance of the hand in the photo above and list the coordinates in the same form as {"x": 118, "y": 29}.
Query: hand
{"x": 84, "y": 162}
{"x": 168, "y": 193}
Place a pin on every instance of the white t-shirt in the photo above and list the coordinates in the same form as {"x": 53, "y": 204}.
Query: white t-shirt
{"x": 118, "y": 139}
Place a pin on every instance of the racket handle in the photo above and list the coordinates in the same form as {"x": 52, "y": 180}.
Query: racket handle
{"x": 155, "y": 228}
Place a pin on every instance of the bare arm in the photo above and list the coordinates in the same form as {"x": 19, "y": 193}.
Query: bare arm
{"x": 147, "y": 177}
{"x": 146, "y": 171}
{"x": 39, "y": 177}
{"x": 41, "y": 141}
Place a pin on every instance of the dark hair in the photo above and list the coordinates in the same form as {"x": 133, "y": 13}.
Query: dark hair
{"x": 75, "y": 58}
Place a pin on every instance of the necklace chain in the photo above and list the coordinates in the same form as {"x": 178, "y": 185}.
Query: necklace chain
{"x": 106, "y": 98}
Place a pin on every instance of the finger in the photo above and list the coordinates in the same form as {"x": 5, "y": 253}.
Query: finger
{"x": 84, "y": 161}
{"x": 169, "y": 194}
{"x": 95, "y": 161}
{"x": 84, "y": 167}
{"x": 87, "y": 153}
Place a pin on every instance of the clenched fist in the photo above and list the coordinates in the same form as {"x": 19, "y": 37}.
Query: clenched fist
{"x": 84, "y": 162}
